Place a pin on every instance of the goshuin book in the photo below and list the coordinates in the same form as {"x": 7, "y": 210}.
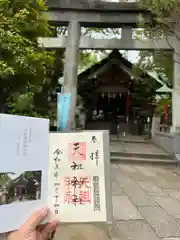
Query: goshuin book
{"x": 68, "y": 172}
{"x": 79, "y": 176}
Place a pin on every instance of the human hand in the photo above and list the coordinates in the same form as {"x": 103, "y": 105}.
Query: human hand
{"x": 31, "y": 230}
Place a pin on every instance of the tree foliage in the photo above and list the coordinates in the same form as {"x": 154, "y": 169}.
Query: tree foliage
{"x": 165, "y": 14}
{"x": 155, "y": 61}
{"x": 165, "y": 24}
{"x": 5, "y": 178}
{"x": 87, "y": 59}
{"x": 24, "y": 67}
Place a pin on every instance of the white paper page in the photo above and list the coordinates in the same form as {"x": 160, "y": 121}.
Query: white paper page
{"x": 79, "y": 190}
{"x": 23, "y": 168}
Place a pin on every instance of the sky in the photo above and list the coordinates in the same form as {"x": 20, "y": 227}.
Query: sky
{"x": 132, "y": 56}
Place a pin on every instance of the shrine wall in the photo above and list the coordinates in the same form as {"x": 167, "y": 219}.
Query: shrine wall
{"x": 164, "y": 140}
{"x": 114, "y": 76}
{"x": 170, "y": 142}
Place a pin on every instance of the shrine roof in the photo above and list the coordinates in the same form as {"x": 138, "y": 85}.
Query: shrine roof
{"x": 19, "y": 181}
{"x": 115, "y": 54}
{"x": 116, "y": 57}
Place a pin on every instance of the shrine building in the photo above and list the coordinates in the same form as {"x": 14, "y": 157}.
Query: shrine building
{"x": 116, "y": 93}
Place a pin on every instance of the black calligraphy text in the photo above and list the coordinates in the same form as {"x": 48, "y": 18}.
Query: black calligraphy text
{"x": 76, "y": 166}
{"x": 96, "y": 193}
{"x": 56, "y": 158}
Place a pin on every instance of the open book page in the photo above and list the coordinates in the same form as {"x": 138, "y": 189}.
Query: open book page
{"x": 79, "y": 174}
{"x": 23, "y": 168}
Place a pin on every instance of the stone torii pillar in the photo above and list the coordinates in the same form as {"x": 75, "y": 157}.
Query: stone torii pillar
{"x": 70, "y": 70}
{"x": 176, "y": 84}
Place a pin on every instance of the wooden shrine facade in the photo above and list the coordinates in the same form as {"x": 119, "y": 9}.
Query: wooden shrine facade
{"x": 112, "y": 94}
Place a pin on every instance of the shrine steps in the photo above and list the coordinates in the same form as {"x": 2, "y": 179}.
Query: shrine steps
{"x": 129, "y": 138}
{"x": 143, "y": 158}
{"x": 131, "y": 141}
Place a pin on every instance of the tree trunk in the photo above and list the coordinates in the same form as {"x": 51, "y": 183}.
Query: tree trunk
{"x": 2, "y": 98}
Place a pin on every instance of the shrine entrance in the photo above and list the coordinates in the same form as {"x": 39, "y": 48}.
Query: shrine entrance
{"x": 111, "y": 102}
{"x": 102, "y": 14}
{"x": 109, "y": 90}
{"x": 109, "y": 111}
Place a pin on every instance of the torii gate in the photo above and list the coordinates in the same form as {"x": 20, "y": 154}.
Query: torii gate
{"x": 86, "y": 13}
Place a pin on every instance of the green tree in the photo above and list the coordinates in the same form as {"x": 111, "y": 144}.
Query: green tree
{"x": 165, "y": 15}
{"x": 87, "y": 59}
{"x": 24, "y": 67}
{"x": 165, "y": 23}
{"x": 163, "y": 66}
{"x": 158, "y": 62}
{"x": 5, "y": 178}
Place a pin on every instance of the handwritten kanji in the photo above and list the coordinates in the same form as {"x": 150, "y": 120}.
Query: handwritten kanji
{"x": 57, "y": 152}
{"x": 97, "y": 157}
{"x": 56, "y": 156}
{"x": 76, "y": 166}
{"x": 94, "y": 139}
{"x": 77, "y": 151}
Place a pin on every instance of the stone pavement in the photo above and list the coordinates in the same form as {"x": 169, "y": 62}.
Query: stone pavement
{"x": 146, "y": 206}
{"x": 146, "y": 202}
